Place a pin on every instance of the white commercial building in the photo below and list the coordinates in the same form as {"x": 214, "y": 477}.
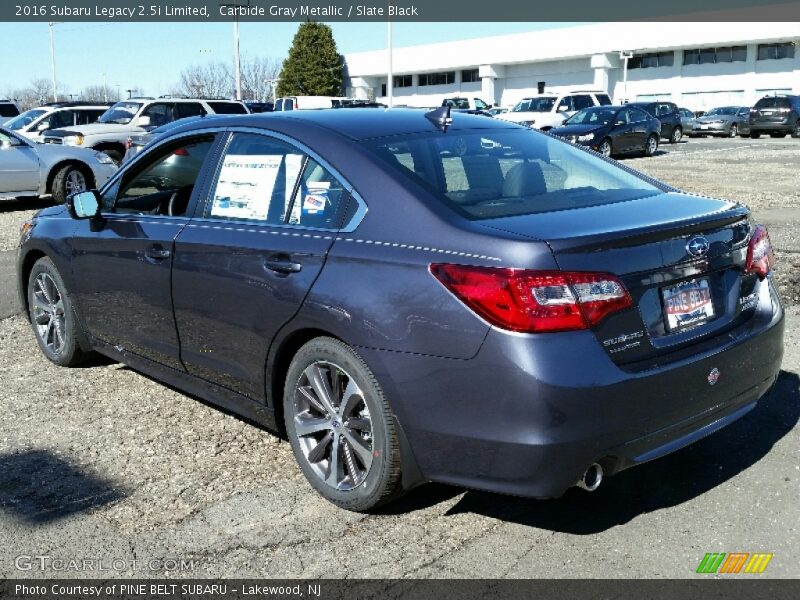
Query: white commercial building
{"x": 696, "y": 65}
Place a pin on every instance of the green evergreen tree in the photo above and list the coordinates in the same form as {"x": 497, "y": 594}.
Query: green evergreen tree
{"x": 313, "y": 67}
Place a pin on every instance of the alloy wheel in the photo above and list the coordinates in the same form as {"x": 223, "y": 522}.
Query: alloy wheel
{"x": 333, "y": 425}
{"x": 652, "y": 145}
{"x": 75, "y": 182}
{"x": 605, "y": 148}
{"x": 677, "y": 135}
{"x": 48, "y": 313}
{"x": 734, "y": 131}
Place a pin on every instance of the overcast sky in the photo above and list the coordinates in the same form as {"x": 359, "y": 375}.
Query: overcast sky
{"x": 151, "y": 55}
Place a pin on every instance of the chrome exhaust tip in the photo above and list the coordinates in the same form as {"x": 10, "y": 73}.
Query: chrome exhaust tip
{"x": 592, "y": 478}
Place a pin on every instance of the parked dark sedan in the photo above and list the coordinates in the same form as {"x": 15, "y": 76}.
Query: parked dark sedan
{"x": 668, "y": 114}
{"x": 727, "y": 121}
{"x": 612, "y": 130}
{"x": 411, "y": 298}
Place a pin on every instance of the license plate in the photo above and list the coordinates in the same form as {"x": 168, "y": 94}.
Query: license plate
{"x": 687, "y": 304}
{"x": 703, "y": 126}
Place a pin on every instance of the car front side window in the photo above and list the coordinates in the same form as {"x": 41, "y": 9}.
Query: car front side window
{"x": 164, "y": 184}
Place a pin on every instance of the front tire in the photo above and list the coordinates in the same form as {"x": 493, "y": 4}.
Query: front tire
{"x": 69, "y": 180}
{"x": 651, "y": 146}
{"x": 340, "y": 427}
{"x": 754, "y": 135}
{"x": 734, "y": 131}
{"x": 677, "y": 135}
{"x": 605, "y": 147}
{"x": 52, "y": 316}
{"x": 796, "y": 130}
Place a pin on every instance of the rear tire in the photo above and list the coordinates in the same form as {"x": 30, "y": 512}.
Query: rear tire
{"x": 676, "y": 136}
{"x": 52, "y": 316}
{"x": 754, "y": 135}
{"x": 69, "y": 180}
{"x": 346, "y": 443}
{"x": 796, "y": 130}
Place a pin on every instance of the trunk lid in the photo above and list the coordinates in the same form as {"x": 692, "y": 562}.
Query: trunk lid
{"x": 680, "y": 295}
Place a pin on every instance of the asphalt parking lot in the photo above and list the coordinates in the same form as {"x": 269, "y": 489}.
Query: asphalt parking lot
{"x": 103, "y": 463}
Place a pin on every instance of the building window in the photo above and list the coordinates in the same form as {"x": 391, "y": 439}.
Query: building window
{"x": 651, "y": 60}
{"x": 469, "y": 75}
{"x": 401, "y": 81}
{"x": 707, "y": 56}
{"x": 437, "y": 78}
{"x": 772, "y": 51}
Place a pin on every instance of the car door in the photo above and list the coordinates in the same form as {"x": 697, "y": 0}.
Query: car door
{"x": 121, "y": 264}
{"x": 19, "y": 165}
{"x": 638, "y": 120}
{"x": 244, "y": 266}
{"x": 621, "y": 133}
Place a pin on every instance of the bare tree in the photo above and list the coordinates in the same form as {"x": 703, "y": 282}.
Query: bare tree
{"x": 259, "y": 75}
{"x": 213, "y": 80}
{"x": 99, "y": 93}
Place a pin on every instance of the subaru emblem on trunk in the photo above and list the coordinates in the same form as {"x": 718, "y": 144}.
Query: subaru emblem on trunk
{"x": 697, "y": 246}
{"x": 713, "y": 376}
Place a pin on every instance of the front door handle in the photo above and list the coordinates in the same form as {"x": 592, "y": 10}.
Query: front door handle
{"x": 157, "y": 253}
{"x": 282, "y": 264}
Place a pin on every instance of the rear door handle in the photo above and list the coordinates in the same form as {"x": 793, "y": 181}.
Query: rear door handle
{"x": 282, "y": 264}
{"x": 157, "y": 253}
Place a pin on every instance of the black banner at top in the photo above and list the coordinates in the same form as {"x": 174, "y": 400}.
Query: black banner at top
{"x": 398, "y": 10}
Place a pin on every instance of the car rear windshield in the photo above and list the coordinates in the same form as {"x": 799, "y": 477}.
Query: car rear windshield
{"x": 8, "y": 110}
{"x": 535, "y": 105}
{"x": 228, "y": 108}
{"x": 773, "y": 102}
{"x": 488, "y": 174}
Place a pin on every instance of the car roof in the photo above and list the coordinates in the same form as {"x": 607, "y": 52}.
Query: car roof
{"x": 358, "y": 123}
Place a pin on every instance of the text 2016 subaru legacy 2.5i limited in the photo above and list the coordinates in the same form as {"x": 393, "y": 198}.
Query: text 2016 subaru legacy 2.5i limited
{"x": 410, "y": 298}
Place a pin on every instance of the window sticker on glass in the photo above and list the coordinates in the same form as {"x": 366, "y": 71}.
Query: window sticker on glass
{"x": 315, "y": 198}
{"x": 245, "y": 187}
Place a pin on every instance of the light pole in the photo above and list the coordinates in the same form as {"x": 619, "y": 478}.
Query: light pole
{"x": 237, "y": 69}
{"x": 53, "y": 61}
{"x": 625, "y": 56}
{"x": 390, "y": 74}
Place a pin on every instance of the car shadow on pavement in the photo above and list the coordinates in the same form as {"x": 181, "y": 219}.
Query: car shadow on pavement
{"x": 24, "y": 204}
{"x": 38, "y": 487}
{"x": 669, "y": 481}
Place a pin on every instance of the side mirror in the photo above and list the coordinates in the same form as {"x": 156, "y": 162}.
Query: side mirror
{"x": 84, "y": 205}
{"x": 10, "y": 142}
{"x": 143, "y": 122}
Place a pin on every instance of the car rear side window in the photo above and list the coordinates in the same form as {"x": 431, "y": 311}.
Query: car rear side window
{"x": 189, "y": 109}
{"x": 269, "y": 181}
{"x": 228, "y": 108}
{"x": 583, "y": 101}
{"x": 490, "y": 174}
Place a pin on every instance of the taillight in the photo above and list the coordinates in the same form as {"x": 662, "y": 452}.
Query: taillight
{"x": 535, "y": 301}
{"x": 181, "y": 152}
{"x": 760, "y": 257}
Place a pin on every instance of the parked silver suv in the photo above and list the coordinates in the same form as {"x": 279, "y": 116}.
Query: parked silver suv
{"x": 137, "y": 115}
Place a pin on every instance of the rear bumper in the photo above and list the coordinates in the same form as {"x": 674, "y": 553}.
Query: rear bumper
{"x": 782, "y": 125}
{"x": 530, "y": 413}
